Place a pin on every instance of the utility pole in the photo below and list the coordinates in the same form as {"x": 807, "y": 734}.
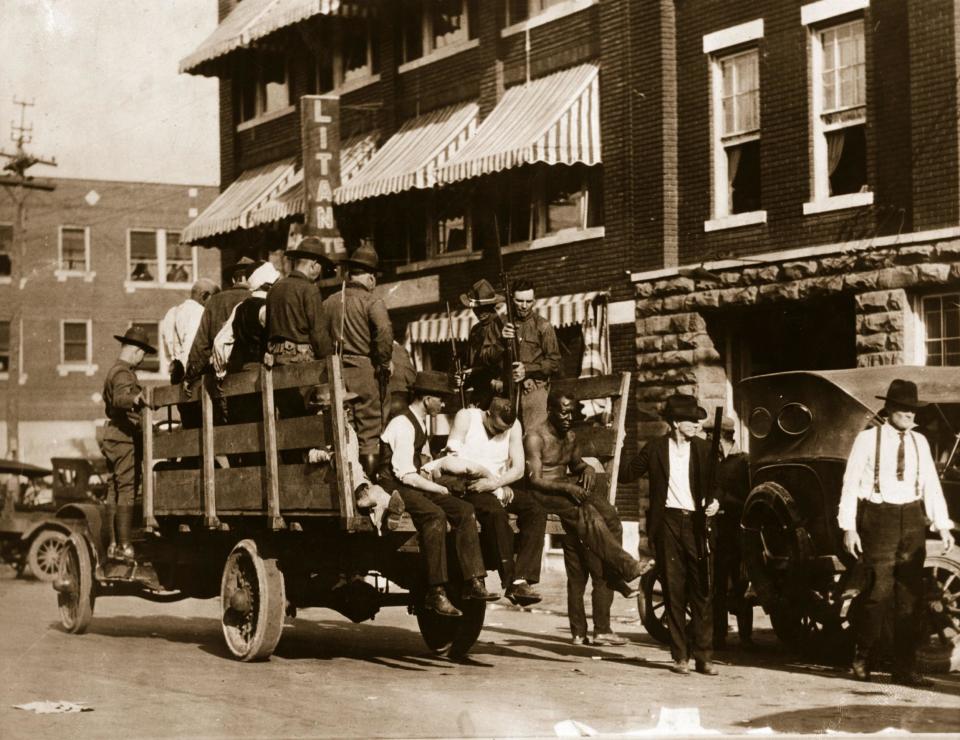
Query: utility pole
{"x": 18, "y": 185}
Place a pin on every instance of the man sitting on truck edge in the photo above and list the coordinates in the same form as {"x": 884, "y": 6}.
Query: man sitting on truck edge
{"x": 405, "y": 451}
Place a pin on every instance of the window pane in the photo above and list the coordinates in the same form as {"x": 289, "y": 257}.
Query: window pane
{"x": 850, "y": 173}
{"x": 4, "y": 346}
{"x": 745, "y": 180}
{"x": 73, "y": 248}
{"x": 564, "y": 198}
{"x": 75, "y": 341}
{"x": 355, "y": 42}
{"x": 247, "y": 103}
{"x": 844, "y": 66}
{"x": 179, "y": 259}
{"x": 151, "y": 363}
{"x": 412, "y": 30}
{"x": 517, "y": 10}
{"x": 6, "y": 247}
{"x": 451, "y": 222}
{"x": 143, "y": 256}
{"x": 449, "y": 22}
{"x": 741, "y": 93}
{"x": 595, "y": 215}
{"x": 941, "y": 318}
{"x": 276, "y": 95}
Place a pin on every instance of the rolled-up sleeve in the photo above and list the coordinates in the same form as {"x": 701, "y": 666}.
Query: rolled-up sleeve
{"x": 934, "y": 502}
{"x": 859, "y": 461}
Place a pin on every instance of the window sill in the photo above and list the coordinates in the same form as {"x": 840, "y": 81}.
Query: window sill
{"x": 456, "y": 258}
{"x": 546, "y": 16}
{"x": 356, "y": 84}
{"x": 567, "y": 236}
{"x": 438, "y": 54}
{"x": 65, "y": 369}
{"x": 132, "y": 286}
{"x": 735, "y": 220}
{"x": 62, "y": 275}
{"x": 838, "y": 203}
{"x": 272, "y": 115}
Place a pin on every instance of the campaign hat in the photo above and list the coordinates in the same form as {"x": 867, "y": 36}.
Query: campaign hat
{"x": 902, "y": 393}
{"x": 138, "y": 338}
{"x": 481, "y": 294}
{"x": 310, "y": 247}
{"x": 683, "y": 407}
{"x": 364, "y": 257}
{"x": 434, "y": 383}
{"x": 244, "y": 265}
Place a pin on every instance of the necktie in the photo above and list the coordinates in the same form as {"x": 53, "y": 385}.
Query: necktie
{"x": 900, "y": 457}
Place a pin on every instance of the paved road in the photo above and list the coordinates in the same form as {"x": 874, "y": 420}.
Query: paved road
{"x": 161, "y": 671}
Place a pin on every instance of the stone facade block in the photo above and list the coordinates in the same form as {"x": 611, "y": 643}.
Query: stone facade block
{"x": 932, "y": 273}
{"x": 675, "y": 303}
{"x": 874, "y": 259}
{"x": 703, "y": 299}
{"x": 800, "y": 270}
{"x": 911, "y": 254}
{"x": 779, "y": 292}
{"x": 859, "y": 281}
{"x": 739, "y": 296}
{"x": 880, "y": 322}
{"x": 674, "y": 286}
{"x": 654, "y": 325}
{"x": 644, "y": 290}
{"x": 948, "y": 251}
{"x": 896, "y": 277}
{"x": 876, "y": 359}
{"x": 759, "y": 275}
{"x": 649, "y": 307}
{"x": 867, "y": 343}
{"x": 842, "y": 263}
{"x": 881, "y": 300}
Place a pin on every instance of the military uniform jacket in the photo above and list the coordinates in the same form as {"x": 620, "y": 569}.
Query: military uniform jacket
{"x": 120, "y": 389}
{"x": 539, "y": 349}
{"x": 295, "y": 314}
{"x": 216, "y": 311}
{"x": 367, "y": 330}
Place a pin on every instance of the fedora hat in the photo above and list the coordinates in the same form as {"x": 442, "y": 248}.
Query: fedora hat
{"x": 434, "y": 383}
{"x": 309, "y": 247}
{"x": 245, "y": 265}
{"x": 138, "y": 338}
{"x": 365, "y": 257}
{"x": 902, "y": 393}
{"x": 481, "y": 294}
{"x": 683, "y": 407}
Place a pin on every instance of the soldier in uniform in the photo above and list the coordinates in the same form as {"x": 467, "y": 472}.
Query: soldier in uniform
{"x": 486, "y": 349}
{"x": 123, "y": 397}
{"x": 359, "y": 323}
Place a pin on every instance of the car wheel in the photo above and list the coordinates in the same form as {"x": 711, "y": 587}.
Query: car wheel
{"x": 43, "y": 557}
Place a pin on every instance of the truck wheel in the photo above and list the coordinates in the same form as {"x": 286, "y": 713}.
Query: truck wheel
{"x": 940, "y": 650}
{"x": 43, "y": 557}
{"x": 451, "y": 637}
{"x": 252, "y": 601}
{"x": 653, "y": 607}
{"x": 75, "y": 594}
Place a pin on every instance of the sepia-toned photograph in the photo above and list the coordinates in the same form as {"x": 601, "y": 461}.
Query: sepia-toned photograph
{"x": 479, "y": 368}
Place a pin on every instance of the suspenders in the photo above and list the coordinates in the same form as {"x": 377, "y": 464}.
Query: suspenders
{"x": 876, "y": 464}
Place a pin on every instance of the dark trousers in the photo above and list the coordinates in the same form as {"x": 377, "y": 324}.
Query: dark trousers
{"x": 497, "y": 535}
{"x": 124, "y": 458}
{"x": 430, "y": 513}
{"x": 729, "y": 586}
{"x": 359, "y": 378}
{"x": 684, "y": 581}
{"x": 893, "y": 539}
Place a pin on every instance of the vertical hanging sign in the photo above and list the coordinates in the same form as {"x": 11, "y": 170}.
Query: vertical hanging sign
{"x": 320, "y": 134}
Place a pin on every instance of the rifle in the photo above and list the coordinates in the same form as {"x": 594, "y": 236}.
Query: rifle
{"x": 714, "y": 462}
{"x": 513, "y": 347}
{"x": 457, "y": 366}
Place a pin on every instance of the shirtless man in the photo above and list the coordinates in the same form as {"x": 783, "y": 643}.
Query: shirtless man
{"x": 592, "y": 548}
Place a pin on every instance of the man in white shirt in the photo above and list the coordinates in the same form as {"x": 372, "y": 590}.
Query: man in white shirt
{"x": 179, "y": 327}
{"x": 890, "y": 490}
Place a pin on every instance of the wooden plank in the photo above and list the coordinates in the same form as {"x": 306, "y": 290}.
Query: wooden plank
{"x": 229, "y": 439}
{"x": 599, "y": 386}
{"x": 595, "y": 441}
{"x": 345, "y": 482}
{"x": 302, "y": 488}
{"x": 620, "y": 425}
{"x": 248, "y": 381}
{"x": 146, "y": 424}
{"x": 272, "y": 487}
{"x": 209, "y": 487}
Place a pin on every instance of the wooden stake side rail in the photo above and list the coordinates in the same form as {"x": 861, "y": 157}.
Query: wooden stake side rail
{"x": 268, "y": 488}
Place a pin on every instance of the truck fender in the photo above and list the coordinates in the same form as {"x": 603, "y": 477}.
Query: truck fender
{"x": 54, "y": 524}
{"x": 85, "y": 516}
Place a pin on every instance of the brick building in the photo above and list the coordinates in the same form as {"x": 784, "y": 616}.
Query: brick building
{"x": 778, "y": 178}
{"x": 100, "y": 255}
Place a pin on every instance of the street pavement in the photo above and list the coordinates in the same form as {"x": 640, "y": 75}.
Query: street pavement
{"x": 161, "y": 670}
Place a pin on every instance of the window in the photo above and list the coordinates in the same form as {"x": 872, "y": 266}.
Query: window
{"x": 6, "y": 248}
{"x": 4, "y": 346}
{"x": 75, "y": 349}
{"x": 941, "y": 321}
{"x": 432, "y": 25}
{"x": 347, "y": 54}
{"x": 264, "y": 88}
{"x": 735, "y": 93}
{"x": 521, "y": 10}
{"x": 151, "y": 363}
{"x": 451, "y": 221}
{"x": 74, "y": 249}
{"x": 839, "y": 111}
{"x": 448, "y": 21}
{"x": 157, "y": 256}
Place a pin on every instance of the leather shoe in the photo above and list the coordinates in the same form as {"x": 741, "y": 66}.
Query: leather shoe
{"x": 912, "y": 678}
{"x": 625, "y": 589}
{"x": 681, "y": 667}
{"x": 438, "y": 603}
{"x": 609, "y": 638}
{"x": 522, "y": 594}
{"x": 707, "y": 668}
{"x": 859, "y": 669}
{"x": 579, "y": 640}
{"x": 475, "y": 589}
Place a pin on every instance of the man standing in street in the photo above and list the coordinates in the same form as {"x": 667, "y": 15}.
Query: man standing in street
{"x": 122, "y": 443}
{"x": 539, "y": 355}
{"x": 682, "y": 502}
{"x": 890, "y": 489}
{"x": 566, "y": 486}
{"x": 180, "y": 324}
{"x": 358, "y": 322}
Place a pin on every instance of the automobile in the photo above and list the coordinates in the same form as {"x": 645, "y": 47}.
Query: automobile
{"x": 802, "y": 426}
{"x": 31, "y": 535}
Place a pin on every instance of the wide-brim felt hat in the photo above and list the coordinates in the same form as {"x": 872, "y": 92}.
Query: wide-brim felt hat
{"x": 309, "y": 247}
{"x": 903, "y": 393}
{"x": 244, "y": 265}
{"x": 481, "y": 294}
{"x": 365, "y": 257}
{"x": 434, "y": 382}
{"x": 683, "y": 407}
{"x": 138, "y": 338}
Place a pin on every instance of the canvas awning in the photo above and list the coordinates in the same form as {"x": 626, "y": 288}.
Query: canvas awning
{"x": 561, "y": 310}
{"x": 232, "y": 208}
{"x": 409, "y": 159}
{"x": 254, "y": 19}
{"x": 553, "y": 119}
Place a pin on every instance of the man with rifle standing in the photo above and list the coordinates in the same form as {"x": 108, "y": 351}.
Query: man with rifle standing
{"x": 680, "y": 466}
{"x": 360, "y": 326}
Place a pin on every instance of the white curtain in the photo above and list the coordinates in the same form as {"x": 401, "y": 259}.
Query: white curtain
{"x": 835, "y": 141}
{"x": 596, "y": 354}
{"x": 733, "y": 165}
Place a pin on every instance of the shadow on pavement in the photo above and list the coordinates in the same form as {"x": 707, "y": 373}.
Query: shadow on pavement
{"x": 866, "y": 718}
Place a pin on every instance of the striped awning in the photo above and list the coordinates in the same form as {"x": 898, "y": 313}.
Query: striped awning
{"x": 553, "y": 119}
{"x": 410, "y": 158}
{"x": 253, "y": 19}
{"x": 435, "y": 328}
{"x": 232, "y": 208}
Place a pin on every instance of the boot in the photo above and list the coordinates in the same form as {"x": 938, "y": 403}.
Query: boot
{"x": 124, "y": 548}
{"x": 109, "y": 515}
{"x": 370, "y": 462}
{"x": 438, "y": 603}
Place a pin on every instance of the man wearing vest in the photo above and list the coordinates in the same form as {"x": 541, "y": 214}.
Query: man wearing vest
{"x": 890, "y": 490}
{"x": 405, "y": 451}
